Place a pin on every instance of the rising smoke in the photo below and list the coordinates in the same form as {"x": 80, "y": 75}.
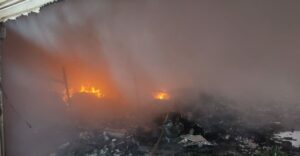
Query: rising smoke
{"x": 245, "y": 51}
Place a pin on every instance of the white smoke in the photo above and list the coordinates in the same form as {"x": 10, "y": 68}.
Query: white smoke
{"x": 247, "y": 51}
{"x": 234, "y": 50}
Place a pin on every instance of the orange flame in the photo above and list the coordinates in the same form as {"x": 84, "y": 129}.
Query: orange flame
{"x": 161, "y": 95}
{"x": 91, "y": 90}
{"x": 83, "y": 90}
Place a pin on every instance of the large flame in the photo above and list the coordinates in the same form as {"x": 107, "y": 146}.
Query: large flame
{"x": 161, "y": 95}
{"x": 92, "y": 90}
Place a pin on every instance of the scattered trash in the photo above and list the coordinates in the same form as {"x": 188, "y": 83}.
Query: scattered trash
{"x": 290, "y": 136}
{"x": 185, "y": 134}
{"x": 117, "y": 133}
{"x": 191, "y": 140}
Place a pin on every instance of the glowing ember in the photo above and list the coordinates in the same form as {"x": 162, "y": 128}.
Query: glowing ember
{"x": 83, "y": 90}
{"x": 161, "y": 95}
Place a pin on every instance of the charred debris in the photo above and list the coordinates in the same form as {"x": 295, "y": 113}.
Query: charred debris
{"x": 210, "y": 128}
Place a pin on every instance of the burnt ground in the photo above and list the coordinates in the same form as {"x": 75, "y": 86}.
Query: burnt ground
{"x": 217, "y": 130}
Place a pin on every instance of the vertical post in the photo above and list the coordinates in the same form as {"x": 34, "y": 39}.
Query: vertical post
{"x": 66, "y": 85}
{"x": 2, "y": 141}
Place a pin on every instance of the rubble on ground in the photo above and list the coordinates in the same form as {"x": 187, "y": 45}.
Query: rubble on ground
{"x": 100, "y": 143}
{"x": 185, "y": 133}
{"x": 289, "y": 136}
{"x": 194, "y": 140}
{"x": 176, "y": 140}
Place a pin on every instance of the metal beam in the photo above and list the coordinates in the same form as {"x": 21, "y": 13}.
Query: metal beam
{"x": 2, "y": 141}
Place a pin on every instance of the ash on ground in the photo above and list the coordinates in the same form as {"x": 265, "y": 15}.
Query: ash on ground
{"x": 216, "y": 131}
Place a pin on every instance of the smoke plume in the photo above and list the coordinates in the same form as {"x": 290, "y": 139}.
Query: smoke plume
{"x": 245, "y": 51}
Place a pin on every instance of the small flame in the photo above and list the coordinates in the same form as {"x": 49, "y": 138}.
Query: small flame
{"x": 91, "y": 90}
{"x": 161, "y": 95}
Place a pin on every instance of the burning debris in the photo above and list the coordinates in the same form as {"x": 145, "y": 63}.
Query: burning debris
{"x": 89, "y": 90}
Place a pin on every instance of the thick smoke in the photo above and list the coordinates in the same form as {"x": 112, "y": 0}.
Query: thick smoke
{"x": 239, "y": 49}
{"x": 246, "y": 51}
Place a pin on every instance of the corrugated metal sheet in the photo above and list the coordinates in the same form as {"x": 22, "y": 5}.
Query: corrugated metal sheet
{"x": 11, "y": 9}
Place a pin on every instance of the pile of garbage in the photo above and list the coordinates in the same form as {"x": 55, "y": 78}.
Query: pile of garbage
{"x": 178, "y": 136}
{"x": 217, "y": 131}
{"x": 172, "y": 137}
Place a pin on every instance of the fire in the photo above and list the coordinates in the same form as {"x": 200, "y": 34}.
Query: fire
{"x": 161, "y": 95}
{"x": 92, "y": 90}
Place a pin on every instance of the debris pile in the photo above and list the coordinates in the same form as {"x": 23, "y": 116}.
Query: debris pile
{"x": 100, "y": 143}
{"x": 217, "y": 131}
{"x": 176, "y": 136}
